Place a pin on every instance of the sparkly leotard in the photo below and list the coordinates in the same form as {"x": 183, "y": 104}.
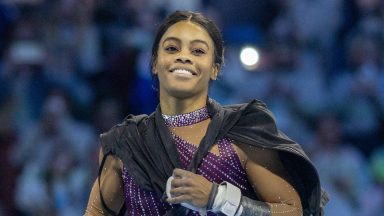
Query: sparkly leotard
{"x": 216, "y": 168}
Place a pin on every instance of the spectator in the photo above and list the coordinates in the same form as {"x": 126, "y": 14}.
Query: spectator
{"x": 343, "y": 169}
{"x": 357, "y": 92}
{"x": 48, "y": 152}
{"x": 372, "y": 201}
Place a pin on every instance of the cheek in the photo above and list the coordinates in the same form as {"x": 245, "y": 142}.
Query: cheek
{"x": 160, "y": 65}
{"x": 208, "y": 69}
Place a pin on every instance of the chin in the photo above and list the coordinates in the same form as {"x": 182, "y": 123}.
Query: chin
{"x": 181, "y": 92}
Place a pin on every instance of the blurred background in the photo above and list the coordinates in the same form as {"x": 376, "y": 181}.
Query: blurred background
{"x": 71, "y": 69}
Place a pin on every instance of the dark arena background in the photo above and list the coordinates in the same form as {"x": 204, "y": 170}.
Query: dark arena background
{"x": 71, "y": 69}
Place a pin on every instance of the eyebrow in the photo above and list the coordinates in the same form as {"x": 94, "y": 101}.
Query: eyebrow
{"x": 193, "y": 41}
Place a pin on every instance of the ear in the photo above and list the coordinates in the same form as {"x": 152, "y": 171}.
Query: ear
{"x": 215, "y": 71}
{"x": 154, "y": 70}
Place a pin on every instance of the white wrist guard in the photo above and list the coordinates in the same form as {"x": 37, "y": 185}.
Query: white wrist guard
{"x": 187, "y": 205}
{"x": 228, "y": 200}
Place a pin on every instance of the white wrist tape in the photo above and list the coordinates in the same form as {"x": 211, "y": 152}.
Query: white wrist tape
{"x": 187, "y": 205}
{"x": 168, "y": 187}
{"x": 227, "y": 200}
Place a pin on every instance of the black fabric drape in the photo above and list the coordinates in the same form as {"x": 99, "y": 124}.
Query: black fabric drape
{"x": 145, "y": 146}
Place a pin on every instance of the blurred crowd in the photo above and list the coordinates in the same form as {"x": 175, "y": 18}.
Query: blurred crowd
{"x": 71, "y": 69}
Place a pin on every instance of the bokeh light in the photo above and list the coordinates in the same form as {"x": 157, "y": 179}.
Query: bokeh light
{"x": 249, "y": 57}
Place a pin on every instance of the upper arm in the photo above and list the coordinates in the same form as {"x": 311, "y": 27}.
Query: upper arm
{"x": 111, "y": 187}
{"x": 268, "y": 176}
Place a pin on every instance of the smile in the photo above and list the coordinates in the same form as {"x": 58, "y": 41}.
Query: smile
{"x": 183, "y": 72}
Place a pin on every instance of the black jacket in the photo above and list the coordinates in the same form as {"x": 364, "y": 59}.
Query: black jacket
{"x": 145, "y": 146}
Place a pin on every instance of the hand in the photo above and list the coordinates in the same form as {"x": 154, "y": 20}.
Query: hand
{"x": 190, "y": 188}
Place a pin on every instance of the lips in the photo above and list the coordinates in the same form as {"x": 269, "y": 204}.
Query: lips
{"x": 183, "y": 72}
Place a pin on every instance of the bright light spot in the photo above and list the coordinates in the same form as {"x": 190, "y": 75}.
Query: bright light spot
{"x": 249, "y": 57}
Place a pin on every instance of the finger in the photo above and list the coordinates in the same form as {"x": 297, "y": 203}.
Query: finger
{"x": 179, "y": 199}
{"x": 175, "y": 192}
{"x": 180, "y": 173}
{"x": 180, "y": 182}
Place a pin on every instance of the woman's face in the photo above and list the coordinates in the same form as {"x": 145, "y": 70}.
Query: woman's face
{"x": 185, "y": 61}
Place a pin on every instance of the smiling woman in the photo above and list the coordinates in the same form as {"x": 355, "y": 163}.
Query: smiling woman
{"x": 184, "y": 64}
{"x": 193, "y": 156}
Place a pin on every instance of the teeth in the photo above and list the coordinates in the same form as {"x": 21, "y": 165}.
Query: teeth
{"x": 182, "y": 72}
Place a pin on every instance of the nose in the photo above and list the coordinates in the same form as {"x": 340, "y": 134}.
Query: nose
{"x": 183, "y": 59}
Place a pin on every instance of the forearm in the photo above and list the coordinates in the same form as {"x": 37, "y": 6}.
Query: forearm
{"x": 94, "y": 207}
{"x": 106, "y": 197}
{"x": 112, "y": 200}
{"x": 252, "y": 207}
{"x": 94, "y": 211}
{"x": 228, "y": 200}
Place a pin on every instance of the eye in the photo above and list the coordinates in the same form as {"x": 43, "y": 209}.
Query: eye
{"x": 198, "y": 51}
{"x": 171, "y": 49}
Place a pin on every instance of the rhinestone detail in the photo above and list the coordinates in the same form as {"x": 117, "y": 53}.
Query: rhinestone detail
{"x": 216, "y": 168}
{"x": 186, "y": 119}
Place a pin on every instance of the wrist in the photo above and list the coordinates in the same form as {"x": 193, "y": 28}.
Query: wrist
{"x": 212, "y": 196}
{"x": 227, "y": 200}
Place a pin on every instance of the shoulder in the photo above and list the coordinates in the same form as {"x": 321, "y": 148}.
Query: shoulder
{"x": 130, "y": 127}
{"x": 262, "y": 156}
{"x": 254, "y": 103}
{"x": 129, "y": 122}
{"x": 112, "y": 161}
{"x": 257, "y": 106}
{"x": 251, "y": 108}
{"x": 253, "y": 113}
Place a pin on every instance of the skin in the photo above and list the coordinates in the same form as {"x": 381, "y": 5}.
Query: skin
{"x": 264, "y": 170}
{"x": 189, "y": 46}
{"x": 186, "y": 45}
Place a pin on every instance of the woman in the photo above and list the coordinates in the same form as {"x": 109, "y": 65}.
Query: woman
{"x": 193, "y": 156}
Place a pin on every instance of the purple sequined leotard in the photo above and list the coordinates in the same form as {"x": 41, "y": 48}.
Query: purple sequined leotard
{"x": 216, "y": 168}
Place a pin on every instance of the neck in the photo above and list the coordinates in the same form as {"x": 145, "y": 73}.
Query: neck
{"x": 174, "y": 106}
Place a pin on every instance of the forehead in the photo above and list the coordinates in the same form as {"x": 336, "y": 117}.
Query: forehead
{"x": 187, "y": 31}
